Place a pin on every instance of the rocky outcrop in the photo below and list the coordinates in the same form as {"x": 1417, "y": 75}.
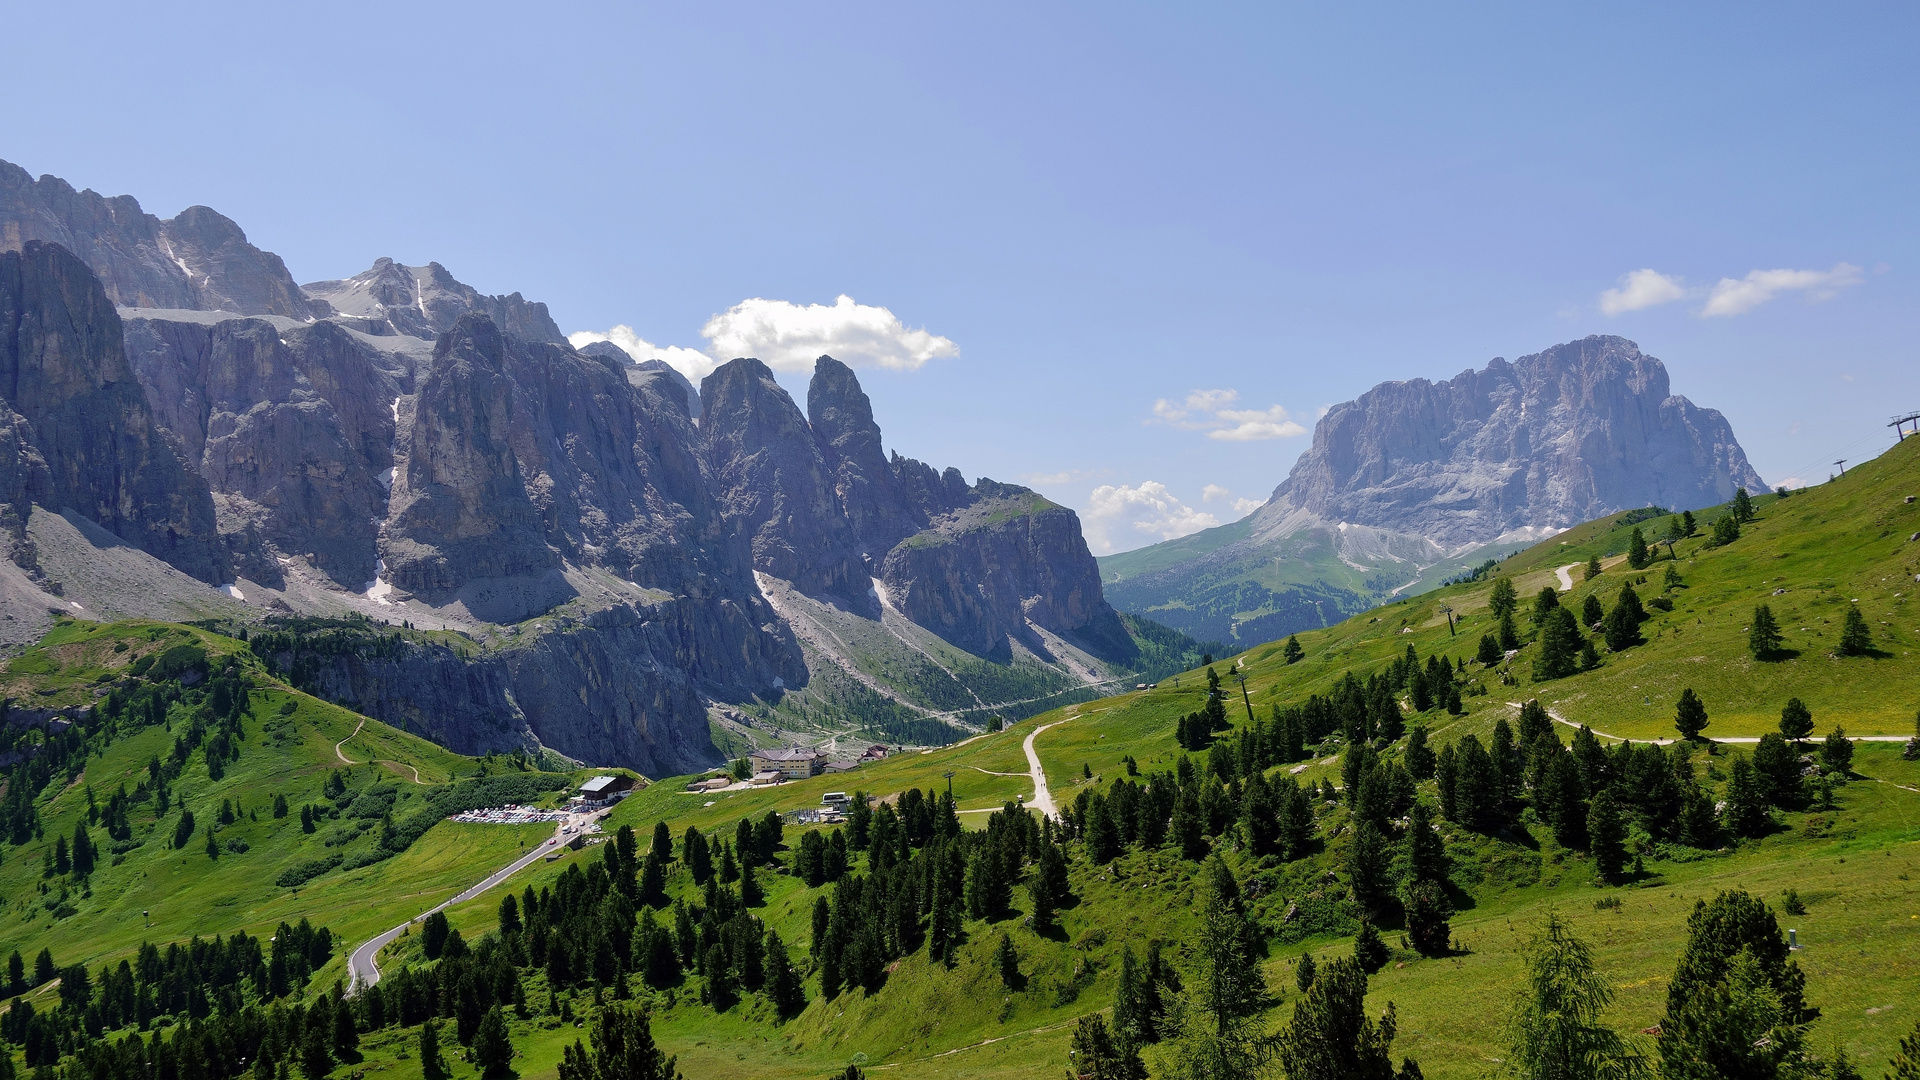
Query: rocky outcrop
{"x": 293, "y": 430}
{"x": 424, "y": 302}
{"x": 198, "y": 260}
{"x": 1414, "y": 481}
{"x": 773, "y": 487}
{"x": 64, "y": 371}
{"x": 864, "y": 482}
{"x": 1563, "y": 436}
{"x": 981, "y": 576}
{"x": 460, "y": 507}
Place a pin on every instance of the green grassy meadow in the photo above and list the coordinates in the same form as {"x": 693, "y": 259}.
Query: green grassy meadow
{"x": 1808, "y": 556}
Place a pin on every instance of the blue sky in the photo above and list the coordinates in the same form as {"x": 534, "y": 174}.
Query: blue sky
{"x": 1088, "y": 209}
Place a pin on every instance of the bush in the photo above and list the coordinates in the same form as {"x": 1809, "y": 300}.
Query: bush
{"x": 296, "y": 876}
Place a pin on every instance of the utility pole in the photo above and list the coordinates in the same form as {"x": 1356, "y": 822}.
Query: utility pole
{"x": 949, "y": 775}
{"x": 1242, "y": 676}
{"x": 1843, "y": 466}
{"x": 1448, "y": 612}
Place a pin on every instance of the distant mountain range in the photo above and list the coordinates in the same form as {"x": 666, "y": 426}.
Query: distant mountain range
{"x": 1415, "y": 481}
{"x": 583, "y": 552}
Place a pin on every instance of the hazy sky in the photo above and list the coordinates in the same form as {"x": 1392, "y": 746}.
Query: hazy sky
{"x": 1122, "y": 253}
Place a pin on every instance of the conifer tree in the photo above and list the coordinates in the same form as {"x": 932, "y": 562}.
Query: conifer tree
{"x": 1544, "y": 604}
{"x": 1607, "y": 837}
{"x": 1622, "y": 624}
{"x": 1368, "y": 950}
{"x": 623, "y": 1049}
{"x": 1763, "y": 637}
{"x": 1688, "y": 524}
{"x": 1560, "y": 641}
{"x": 1097, "y": 1055}
{"x": 1188, "y": 828}
{"x": 662, "y": 842}
{"x": 1303, "y": 974}
{"x": 1638, "y": 556}
{"x": 1135, "y": 1018}
{"x": 1008, "y": 959}
{"x": 1743, "y": 506}
{"x": 1230, "y": 997}
{"x": 1368, "y": 867}
{"x": 1671, "y": 580}
{"x": 1553, "y": 1030}
{"x": 1509, "y": 634}
{"x": 1779, "y": 771}
{"x": 1726, "y": 530}
{"x": 1593, "y": 567}
{"x": 1736, "y": 1003}
{"x": 1501, "y": 600}
{"x": 1420, "y": 759}
{"x": 1746, "y": 811}
{"x": 1330, "y": 1036}
{"x": 1906, "y": 1064}
{"x": 1855, "y": 639}
{"x": 1836, "y": 752}
{"x": 1591, "y": 612}
{"x": 1293, "y": 652}
{"x": 1690, "y": 715}
{"x": 1796, "y": 721}
{"x": 1489, "y": 653}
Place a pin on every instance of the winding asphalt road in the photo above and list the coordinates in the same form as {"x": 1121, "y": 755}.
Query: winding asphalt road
{"x": 1566, "y": 576}
{"x": 361, "y": 968}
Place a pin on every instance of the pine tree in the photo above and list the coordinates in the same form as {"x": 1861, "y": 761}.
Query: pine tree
{"x": 1187, "y": 828}
{"x": 662, "y": 842}
{"x": 1638, "y": 557}
{"x": 1007, "y": 958}
{"x": 1906, "y": 1064}
{"x": 492, "y": 1052}
{"x": 1622, "y": 624}
{"x": 1293, "y": 652}
{"x": 1133, "y": 1013}
{"x": 1743, "y": 506}
{"x": 1725, "y": 531}
{"x": 1855, "y": 639}
{"x": 1763, "y": 637}
{"x": 1779, "y": 769}
{"x": 1368, "y": 950}
{"x": 1560, "y": 641}
{"x": 1420, "y": 759}
{"x": 1330, "y": 1036}
{"x": 1593, "y": 567}
{"x": 1736, "y": 1003}
{"x": 1688, "y": 525}
{"x": 1097, "y": 1055}
{"x": 213, "y": 845}
{"x": 1509, "y": 634}
{"x": 1689, "y": 715}
{"x": 1368, "y": 867}
{"x": 1591, "y": 613}
{"x": 1671, "y": 580}
{"x": 1303, "y": 974}
{"x": 1502, "y": 599}
{"x": 1836, "y": 752}
{"x": 1796, "y": 721}
{"x": 1489, "y": 653}
{"x": 1746, "y": 812}
{"x": 1544, "y": 604}
{"x": 1230, "y": 998}
{"x": 1553, "y": 1030}
{"x": 623, "y": 1049}
{"x": 1607, "y": 837}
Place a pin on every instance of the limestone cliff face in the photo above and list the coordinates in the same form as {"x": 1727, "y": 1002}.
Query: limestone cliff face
{"x": 774, "y": 490}
{"x": 293, "y": 430}
{"x": 985, "y": 575}
{"x": 461, "y": 508}
{"x": 196, "y": 260}
{"x": 1576, "y": 432}
{"x": 424, "y": 302}
{"x": 64, "y": 372}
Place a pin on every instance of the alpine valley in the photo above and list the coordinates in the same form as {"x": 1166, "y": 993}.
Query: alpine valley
{"x": 392, "y": 689}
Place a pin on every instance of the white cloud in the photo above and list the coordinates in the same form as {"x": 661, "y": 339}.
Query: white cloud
{"x": 1735, "y": 297}
{"x": 1243, "y": 507}
{"x": 1642, "y": 289}
{"x": 1208, "y": 411}
{"x": 788, "y": 337}
{"x": 693, "y": 364}
{"x": 1212, "y": 492}
{"x": 1120, "y": 518}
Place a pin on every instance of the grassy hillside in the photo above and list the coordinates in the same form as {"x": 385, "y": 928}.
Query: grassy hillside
{"x": 143, "y": 889}
{"x": 1851, "y": 863}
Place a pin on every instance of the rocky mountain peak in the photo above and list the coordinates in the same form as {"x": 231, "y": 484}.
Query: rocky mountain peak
{"x": 849, "y": 441}
{"x": 424, "y": 301}
{"x": 1561, "y": 436}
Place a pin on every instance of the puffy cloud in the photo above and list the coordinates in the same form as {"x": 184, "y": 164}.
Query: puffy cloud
{"x": 1242, "y": 507}
{"x": 1728, "y": 296}
{"x": 693, "y": 364}
{"x": 1732, "y": 296}
{"x": 1120, "y": 518}
{"x": 788, "y": 337}
{"x": 1642, "y": 289}
{"x": 1210, "y": 411}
